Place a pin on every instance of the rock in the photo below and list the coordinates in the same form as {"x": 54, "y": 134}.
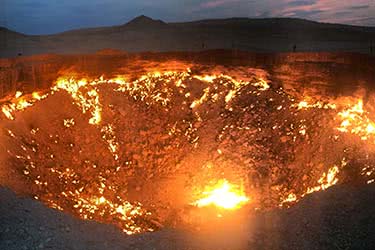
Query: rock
{"x": 284, "y": 139}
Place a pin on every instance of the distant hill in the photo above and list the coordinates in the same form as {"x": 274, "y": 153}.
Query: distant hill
{"x": 142, "y": 22}
{"x": 146, "y": 34}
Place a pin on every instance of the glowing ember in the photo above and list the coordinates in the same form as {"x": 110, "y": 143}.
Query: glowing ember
{"x": 96, "y": 207}
{"x": 69, "y": 122}
{"x": 153, "y": 127}
{"x": 326, "y": 180}
{"x": 7, "y": 111}
{"x": 356, "y": 121}
{"x": 84, "y": 94}
{"x": 353, "y": 119}
{"x": 80, "y": 188}
{"x": 304, "y": 104}
{"x": 223, "y": 195}
{"x": 20, "y": 103}
{"x": 262, "y": 85}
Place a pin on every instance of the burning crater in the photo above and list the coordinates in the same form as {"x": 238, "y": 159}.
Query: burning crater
{"x": 154, "y": 150}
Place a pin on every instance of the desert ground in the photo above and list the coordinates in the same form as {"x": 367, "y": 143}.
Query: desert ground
{"x": 146, "y": 34}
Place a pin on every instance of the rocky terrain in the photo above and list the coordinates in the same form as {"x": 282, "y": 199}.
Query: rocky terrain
{"x": 131, "y": 140}
{"x": 315, "y": 73}
{"x": 339, "y": 218}
{"x": 146, "y": 34}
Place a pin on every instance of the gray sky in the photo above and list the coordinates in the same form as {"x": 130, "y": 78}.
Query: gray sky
{"x": 51, "y": 16}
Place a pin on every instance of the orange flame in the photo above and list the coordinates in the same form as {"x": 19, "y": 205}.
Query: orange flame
{"x": 223, "y": 195}
{"x": 355, "y": 120}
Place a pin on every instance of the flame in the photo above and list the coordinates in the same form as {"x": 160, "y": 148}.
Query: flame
{"x": 37, "y": 96}
{"x": 305, "y": 104}
{"x": 84, "y": 94}
{"x": 20, "y": 102}
{"x": 155, "y": 88}
{"x": 94, "y": 207}
{"x": 352, "y": 118}
{"x": 223, "y": 195}
{"x": 69, "y": 122}
{"x": 110, "y": 138}
{"x": 164, "y": 90}
{"x": 355, "y": 120}
{"x": 146, "y": 88}
{"x": 328, "y": 179}
{"x": 262, "y": 85}
{"x": 18, "y": 94}
{"x": 8, "y": 111}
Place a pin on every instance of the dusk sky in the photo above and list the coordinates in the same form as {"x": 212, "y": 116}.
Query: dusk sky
{"x": 51, "y": 16}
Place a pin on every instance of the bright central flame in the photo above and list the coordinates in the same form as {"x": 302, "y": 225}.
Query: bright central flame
{"x": 223, "y": 195}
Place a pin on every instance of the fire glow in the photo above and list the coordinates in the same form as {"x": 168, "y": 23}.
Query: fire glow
{"x": 355, "y": 120}
{"x": 251, "y": 123}
{"x": 223, "y": 195}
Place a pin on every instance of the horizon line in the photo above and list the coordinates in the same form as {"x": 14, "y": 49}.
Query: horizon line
{"x": 181, "y": 22}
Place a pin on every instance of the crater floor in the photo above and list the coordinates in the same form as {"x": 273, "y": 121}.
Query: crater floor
{"x": 138, "y": 149}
